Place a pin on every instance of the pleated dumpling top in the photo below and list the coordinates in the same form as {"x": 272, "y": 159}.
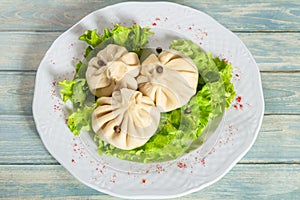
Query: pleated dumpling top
{"x": 112, "y": 69}
{"x": 126, "y": 120}
{"x": 169, "y": 79}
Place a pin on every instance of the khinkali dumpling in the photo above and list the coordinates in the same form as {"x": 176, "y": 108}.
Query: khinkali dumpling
{"x": 170, "y": 79}
{"x": 113, "y": 68}
{"x": 126, "y": 120}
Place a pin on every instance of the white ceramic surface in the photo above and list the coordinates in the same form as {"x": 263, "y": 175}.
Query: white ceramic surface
{"x": 191, "y": 172}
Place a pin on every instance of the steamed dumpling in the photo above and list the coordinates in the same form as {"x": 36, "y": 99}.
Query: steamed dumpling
{"x": 113, "y": 68}
{"x": 126, "y": 120}
{"x": 170, "y": 79}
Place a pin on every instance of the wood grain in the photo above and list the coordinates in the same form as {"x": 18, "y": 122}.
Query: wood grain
{"x": 237, "y": 16}
{"x": 24, "y": 50}
{"x": 242, "y": 182}
{"x": 277, "y": 141}
{"x": 16, "y": 90}
{"x": 272, "y": 51}
{"x": 20, "y": 142}
{"x": 281, "y": 93}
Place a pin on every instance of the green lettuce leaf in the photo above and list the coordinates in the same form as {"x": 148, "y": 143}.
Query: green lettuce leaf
{"x": 80, "y": 119}
{"x": 225, "y": 69}
{"x": 67, "y": 89}
{"x": 76, "y": 91}
{"x": 80, "y": 90}
{"x": 92, "y": 37}
{"x": 132, "y": 38}
{"x": 120, "y": 34}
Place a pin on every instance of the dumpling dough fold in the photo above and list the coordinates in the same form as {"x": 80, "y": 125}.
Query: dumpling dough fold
{"x": 170, "y": 79}
{"x": 126, "y": 120}
{"x": 113, "y": 68}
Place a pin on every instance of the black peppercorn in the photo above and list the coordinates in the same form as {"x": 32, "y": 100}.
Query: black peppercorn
{"x": 117, "y": 129}
{"x": 158, "y": 49}
{"x": 101, "y": 63}
{"x": 159, "y": 69}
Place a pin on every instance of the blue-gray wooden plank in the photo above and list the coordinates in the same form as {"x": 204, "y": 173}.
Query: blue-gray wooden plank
{"x": 16, "y": 92}
{"x": 272, "y": 51}
{"x": 242, "y": 182}
{"x": 20, "y": 142}
{"x": 281, "y": 93}
{"x": 236, "y": 15}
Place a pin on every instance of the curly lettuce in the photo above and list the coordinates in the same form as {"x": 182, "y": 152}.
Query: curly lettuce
{"x": 132, "y": 38}
{"x": 80, "y": 119}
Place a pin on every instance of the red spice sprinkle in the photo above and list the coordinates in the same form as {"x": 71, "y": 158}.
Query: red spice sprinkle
{"x": 154, "y": 24}
{"x": 147, "y": 171}
{"x": 157, "y": 19}
{"x": 203, "y": 161}
{"x": 159, "y": 168}
{"x": 73, "y": 161}
{"x": 144, "y": 180}
{"x": 237, "y": 75}
{"x": 238, "y": 99}
{"x": 241, "y": 106}
{"x": 190, "y": 28}
{"x": 235, "y": 106}
{"x": 181, "y": 165}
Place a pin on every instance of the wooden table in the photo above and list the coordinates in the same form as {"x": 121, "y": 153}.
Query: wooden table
{"x": 271, "y": 31}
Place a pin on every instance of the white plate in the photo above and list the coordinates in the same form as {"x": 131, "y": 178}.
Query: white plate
{"x": 163, "y": 180}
